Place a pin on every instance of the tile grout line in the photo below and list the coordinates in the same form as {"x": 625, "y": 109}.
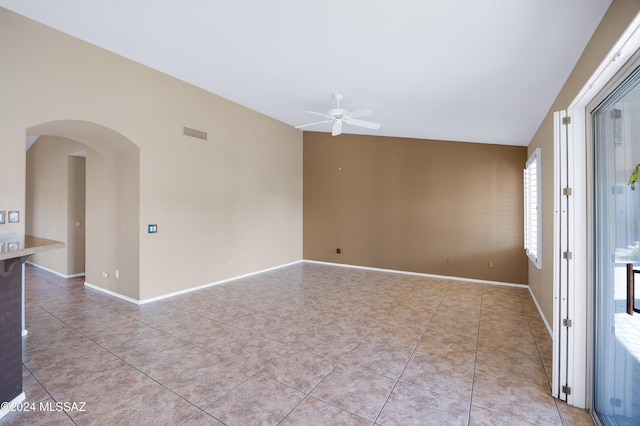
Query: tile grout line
{"x": 48, "y": 393}
{"x": 411, "y": 356}
{"x": 131, "y": 365}
{"x": 549, "y": 379}
{"x": 308, "y": 395}
{"x": 341, "y": 308}
{"x": 475, "y": 360}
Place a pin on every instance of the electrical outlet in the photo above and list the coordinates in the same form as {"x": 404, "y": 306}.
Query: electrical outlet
{"x": 338, "y": 251}
{"x": 153, "y": 228}
{"x": 490, "y": 265}
{"x": 117, "y": 274}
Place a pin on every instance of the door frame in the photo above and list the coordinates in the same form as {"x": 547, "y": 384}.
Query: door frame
{"x": 573, "y": 280}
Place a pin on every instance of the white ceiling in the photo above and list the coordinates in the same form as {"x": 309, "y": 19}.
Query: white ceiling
{"x": 465, "y": 70}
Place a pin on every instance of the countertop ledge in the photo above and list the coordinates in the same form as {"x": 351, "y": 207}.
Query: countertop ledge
{"x": 14, "y": 245}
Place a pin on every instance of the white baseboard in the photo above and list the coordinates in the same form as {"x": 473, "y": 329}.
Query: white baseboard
{"x": 176, "y": 293}
{"x": 544, "y": 319}
{"x": 188, "y": 290}
{"x": 419, "y": 274}
{"x": 14, "y": 402}
{"x": 343, "y": 265}
{"x": 81, "y": 274}
{"x": 112, "y": 293}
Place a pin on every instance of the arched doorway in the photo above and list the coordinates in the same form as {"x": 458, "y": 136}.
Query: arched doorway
{"x": 110, "y": 168}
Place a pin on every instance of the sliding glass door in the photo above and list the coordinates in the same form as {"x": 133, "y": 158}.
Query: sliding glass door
{"x": 616, "y": 126}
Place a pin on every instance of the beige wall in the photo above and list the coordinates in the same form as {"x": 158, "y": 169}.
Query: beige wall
{"x": 104, "y": 201}
{"x": 224, "y": 207}
{"x": 76, "y": 223}
{"x": 55, "y": 200}
{"x": 446, "y": 208}
{"x": 613, "y": 24}
{"x": 112, "y": 218}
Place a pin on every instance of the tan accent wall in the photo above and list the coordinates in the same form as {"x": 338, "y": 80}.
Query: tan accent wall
{"x": 224, "y": 207}
{"x": 618, "y": 17}
{"x": 437, "y": 207}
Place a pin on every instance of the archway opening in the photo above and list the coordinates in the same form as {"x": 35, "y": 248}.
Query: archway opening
{"x": 90, "y": 201}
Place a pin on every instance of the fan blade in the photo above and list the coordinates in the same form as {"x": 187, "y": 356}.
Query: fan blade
{"x": 320, "y": 113}
{"x": 361, "y": 113}
{"x": 313, "y": 124}
{"x": 362, "y": 123}
{"x": 337, "y": 128}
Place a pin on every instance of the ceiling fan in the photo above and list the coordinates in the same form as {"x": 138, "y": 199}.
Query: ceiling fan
{"x": 338, "y": 116}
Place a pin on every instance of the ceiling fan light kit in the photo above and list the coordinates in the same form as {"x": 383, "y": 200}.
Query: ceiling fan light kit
{"x": 338, "y": 116}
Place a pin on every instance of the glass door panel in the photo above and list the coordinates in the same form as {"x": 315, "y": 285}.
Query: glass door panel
{"x": 616, "y": 125}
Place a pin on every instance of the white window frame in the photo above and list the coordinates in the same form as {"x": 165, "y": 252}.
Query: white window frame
{"x": 533, "y": 209}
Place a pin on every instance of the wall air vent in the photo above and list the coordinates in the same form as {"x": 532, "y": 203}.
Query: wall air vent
{"x": 199, "y": 134}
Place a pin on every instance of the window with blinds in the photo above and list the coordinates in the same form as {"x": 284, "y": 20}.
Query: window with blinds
{"x": 532, "y": 211}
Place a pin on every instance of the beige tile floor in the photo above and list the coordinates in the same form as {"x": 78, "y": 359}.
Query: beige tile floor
{"x": 305, "y": 344}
